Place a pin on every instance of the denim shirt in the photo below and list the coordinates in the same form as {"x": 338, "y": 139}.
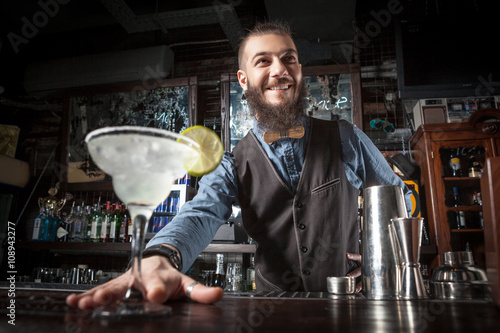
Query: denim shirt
{"x": 199, "y": 219}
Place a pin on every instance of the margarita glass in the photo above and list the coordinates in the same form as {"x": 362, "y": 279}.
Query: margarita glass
{"x": 143, "y": 163}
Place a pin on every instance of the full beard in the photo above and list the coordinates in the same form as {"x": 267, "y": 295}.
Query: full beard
{"x": 281, "y": 116}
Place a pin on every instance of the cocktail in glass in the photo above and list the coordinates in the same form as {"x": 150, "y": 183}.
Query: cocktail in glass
{"x": 143, "y": 163}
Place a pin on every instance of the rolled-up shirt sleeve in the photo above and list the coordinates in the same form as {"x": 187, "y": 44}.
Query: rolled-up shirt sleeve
{"x": 194, "y": 227}
{"x": 365, "y": 165}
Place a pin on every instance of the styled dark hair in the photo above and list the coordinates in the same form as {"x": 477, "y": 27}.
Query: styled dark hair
{"x": 264, "y": 28}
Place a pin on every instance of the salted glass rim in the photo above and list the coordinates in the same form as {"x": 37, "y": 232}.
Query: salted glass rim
{"x": 151, "y": 131}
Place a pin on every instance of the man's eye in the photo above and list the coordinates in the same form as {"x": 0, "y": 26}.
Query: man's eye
{"x": 289, "y": 58}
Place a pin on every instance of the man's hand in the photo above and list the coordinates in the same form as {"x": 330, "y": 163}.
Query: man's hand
{"x": 161, "y": 281}
{"x": 357, "y": 272}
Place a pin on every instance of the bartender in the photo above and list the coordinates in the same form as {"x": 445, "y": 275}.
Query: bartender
{"x": 296, "y": 179}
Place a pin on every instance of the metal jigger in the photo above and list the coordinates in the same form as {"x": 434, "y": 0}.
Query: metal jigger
{"x": 407, "y": 233}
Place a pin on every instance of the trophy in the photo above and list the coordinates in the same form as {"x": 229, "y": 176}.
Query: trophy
{"x": 51, "y": 203}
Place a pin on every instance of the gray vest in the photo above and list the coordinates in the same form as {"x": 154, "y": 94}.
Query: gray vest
{"x": 302, "y": 238}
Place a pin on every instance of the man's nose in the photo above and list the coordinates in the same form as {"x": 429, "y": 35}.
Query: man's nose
{"x": 278, "y": 69}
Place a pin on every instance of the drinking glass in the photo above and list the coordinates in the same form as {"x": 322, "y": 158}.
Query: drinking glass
{"x": 143, "y": 163}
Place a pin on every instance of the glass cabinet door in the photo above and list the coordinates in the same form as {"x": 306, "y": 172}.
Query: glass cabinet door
{"x": 333, "y": 94}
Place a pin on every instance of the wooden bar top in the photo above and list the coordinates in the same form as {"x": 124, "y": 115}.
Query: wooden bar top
{"x": 46, "y": 311}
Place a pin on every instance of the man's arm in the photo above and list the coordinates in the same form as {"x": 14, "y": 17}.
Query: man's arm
{"x": 365, "y": 164}
{"x": 191, "y": 232}
{"x": 194, "y": 227}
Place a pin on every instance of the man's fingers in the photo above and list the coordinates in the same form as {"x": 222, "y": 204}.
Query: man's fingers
{"x": 354, "y": 256}
{"x": 206, "y": 295}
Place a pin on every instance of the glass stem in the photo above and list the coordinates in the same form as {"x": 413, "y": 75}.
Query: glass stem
{"x": 135, "y": 292}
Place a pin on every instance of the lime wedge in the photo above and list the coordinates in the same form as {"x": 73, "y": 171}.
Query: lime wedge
{"x": 211, "y": 150}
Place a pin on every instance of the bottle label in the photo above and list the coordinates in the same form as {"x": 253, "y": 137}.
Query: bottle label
{"x": 104, "y": 228}
{"x": 93, "y": 230}
{"x": 61, "y": 232}
{"x": 77, "y": 226}
{"x": 112, "y": 230}
{"x": 36, "y": 229}
{"x": 455, "y": 163}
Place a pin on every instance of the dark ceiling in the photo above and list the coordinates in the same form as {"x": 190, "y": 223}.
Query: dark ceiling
{"x": 51, "y": 29}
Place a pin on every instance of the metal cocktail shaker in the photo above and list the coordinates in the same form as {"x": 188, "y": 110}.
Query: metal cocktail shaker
{"x": 380, "y": 261}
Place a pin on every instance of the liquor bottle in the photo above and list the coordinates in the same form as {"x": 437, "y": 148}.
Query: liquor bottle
{"x": 474, "y": 167}
{"x": 251, "y": 276}
{"x": 130, "y": 229}
{"x": 63, "y": 230}
{"x": 95, "y": 223}
{"x": 105, "y": 224}
{"x": 220, "y": 275}
{"x": 114, "y": 228}
{"x": 38, "y": 226}
{"x": 77, "y": 229}
{"x": 456, "y": 198}
{"x": 87, "y": 213}
{"x": 455, "y": 166}
{"x": 122, "y": 237}
{"x": 476, "y": 198}
{"x": 460, "y": 222}
{"x": 53, "y": 226}
{"x": 44, "y": 228}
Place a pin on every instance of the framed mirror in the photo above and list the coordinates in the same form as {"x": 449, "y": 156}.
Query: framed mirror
{"x": 334, "y": 93}
{"x": 165, "y": 104}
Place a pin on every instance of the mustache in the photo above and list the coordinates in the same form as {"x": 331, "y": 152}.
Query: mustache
{"x": 279, "y": 81}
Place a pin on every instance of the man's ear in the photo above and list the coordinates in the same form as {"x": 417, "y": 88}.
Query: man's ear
{"x": 242, "y": 79}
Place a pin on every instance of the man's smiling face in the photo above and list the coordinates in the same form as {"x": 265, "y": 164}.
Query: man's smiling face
{"x": 271, "y": 76}
{"x": 271, "y": 64}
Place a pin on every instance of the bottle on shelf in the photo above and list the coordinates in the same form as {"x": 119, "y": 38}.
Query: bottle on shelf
{"x": 475, "y": 169}
{"x": 40, "y": 221}
{"x": 87, "y": 213}
{"x": 251, "y": 275}
{"x": 220, "y": 275}
{"x": 95, "y": 223}
{"x": 455, "y": 166}
{"x": 45, "y": 228}
{"x": 105, "y": 224}
{"x": 53, "y": 226}
{"x": 130, "y": 229}
{"x": 460, "y": 221}
{"x": 457, "y": 201}
{"x": 62, "y": 231}
{"x": 114, "y": 228}
{"x": 476, "y": 198}
{"x": 76, "y": 234}
{"x": 123, "y": 225}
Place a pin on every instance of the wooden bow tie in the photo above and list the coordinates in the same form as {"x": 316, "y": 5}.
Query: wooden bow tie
{"x": 295, "y": 133}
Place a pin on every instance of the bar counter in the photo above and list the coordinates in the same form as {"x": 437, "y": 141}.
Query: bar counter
{"x": 45, "y": 311}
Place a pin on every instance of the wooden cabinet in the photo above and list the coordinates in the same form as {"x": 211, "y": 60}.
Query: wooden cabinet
{"x": 434, "y": 147}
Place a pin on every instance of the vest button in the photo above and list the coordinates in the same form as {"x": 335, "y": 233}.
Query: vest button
{"x": 302, "y": 226}
{"x": 298, "y": 204}
{"x": 306, "y": 272}
{"x": 304, "y": 249}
